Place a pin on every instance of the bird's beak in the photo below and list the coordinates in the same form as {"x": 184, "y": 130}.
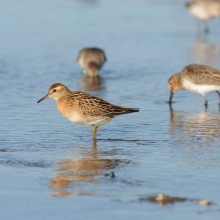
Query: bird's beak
{"x": 45, "y": 97}
{"x": 171, "y": 96}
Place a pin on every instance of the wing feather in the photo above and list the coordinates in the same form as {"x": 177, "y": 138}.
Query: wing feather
{"x": 201, "y": 74}
{"x": 94, "y": 106}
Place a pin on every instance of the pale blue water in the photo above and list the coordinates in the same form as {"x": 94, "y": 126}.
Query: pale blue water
{"x": 50, "y": 168}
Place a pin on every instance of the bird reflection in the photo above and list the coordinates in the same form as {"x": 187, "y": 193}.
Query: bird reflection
{"x": 204, "y": 51}
{"x": 190, "y": 126}
{"x": 90, "y": 84}
{"x": 77, "y": 176}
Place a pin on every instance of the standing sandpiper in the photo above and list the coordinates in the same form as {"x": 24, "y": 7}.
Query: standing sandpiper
{"x": 82, "y": 108}
{"x": 204, "y": 10}
{"x": 196, "y": 78}
{"x": 91, "y": 60}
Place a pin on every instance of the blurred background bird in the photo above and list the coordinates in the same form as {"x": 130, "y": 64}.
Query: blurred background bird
{"x": 91, "y": 60}
{"x": 204, "y": 10}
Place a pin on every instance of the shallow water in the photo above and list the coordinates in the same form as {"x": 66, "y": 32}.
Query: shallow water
{"x": 50, "y": 167}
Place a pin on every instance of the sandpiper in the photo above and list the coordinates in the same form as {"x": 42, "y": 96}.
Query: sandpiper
{"x": 196, "y": 78}
{"x": 91, "y": 60}
{"x": 85, "y": 109}
{"x": 204, "y": 10}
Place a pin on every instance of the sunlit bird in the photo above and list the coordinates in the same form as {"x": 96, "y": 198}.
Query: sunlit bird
{"x": 196, "y": 78}
{"x": 91, "y": 60}
{"x": 204, "y": 10}
{"x": 82, "y": 108}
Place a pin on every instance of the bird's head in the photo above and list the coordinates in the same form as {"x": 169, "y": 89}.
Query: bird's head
{"x": 56, "y": 91}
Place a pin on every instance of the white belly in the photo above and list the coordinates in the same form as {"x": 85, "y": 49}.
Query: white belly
{"x": 200, "y": 12}
{"x": 202, "y": 89}
{"x": 75, "y": 118}
{"x": 82, "y": 62}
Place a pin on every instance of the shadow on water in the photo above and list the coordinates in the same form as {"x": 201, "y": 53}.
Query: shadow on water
{"x": 88, "y": 166}
{"x": 91, "y": 84}
{"x": 127, "y": 140}
{"x": 24, "y": 163}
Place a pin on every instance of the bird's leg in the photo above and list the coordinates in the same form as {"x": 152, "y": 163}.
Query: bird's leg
{"x": 206, "y": 101}
{"x": 206, "y": 27}
{"x": 94, "y": 147}
{"x": 94, "y": 131}
{"x": 171, "y": 108}
{"x": 218, "y": 97}
{"x": 95, "y": 128}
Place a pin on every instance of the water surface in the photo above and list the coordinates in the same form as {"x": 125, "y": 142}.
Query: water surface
{"x": 50, "y": 167}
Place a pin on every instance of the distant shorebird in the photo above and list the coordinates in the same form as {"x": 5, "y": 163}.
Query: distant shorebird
{"x": 204, "y": 10}
{"x": 82, "y": 108}
{"x": 196, "y": 78}
{"x": 91, "y": 60}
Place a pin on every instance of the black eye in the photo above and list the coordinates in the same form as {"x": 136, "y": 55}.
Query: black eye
{"x": 171, "y": 84}
{"x": 54, "y": 90}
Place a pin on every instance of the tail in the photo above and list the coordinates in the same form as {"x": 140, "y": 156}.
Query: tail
{"x": 131, "y": 110}
{"x": 122, "y": 111}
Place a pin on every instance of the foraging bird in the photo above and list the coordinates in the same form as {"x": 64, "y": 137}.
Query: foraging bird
{"x": 196, "y": 78}
{"x": 204, "y": 10}
{"x": 82, "y": 108}
{"x": 91, "y": 60}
